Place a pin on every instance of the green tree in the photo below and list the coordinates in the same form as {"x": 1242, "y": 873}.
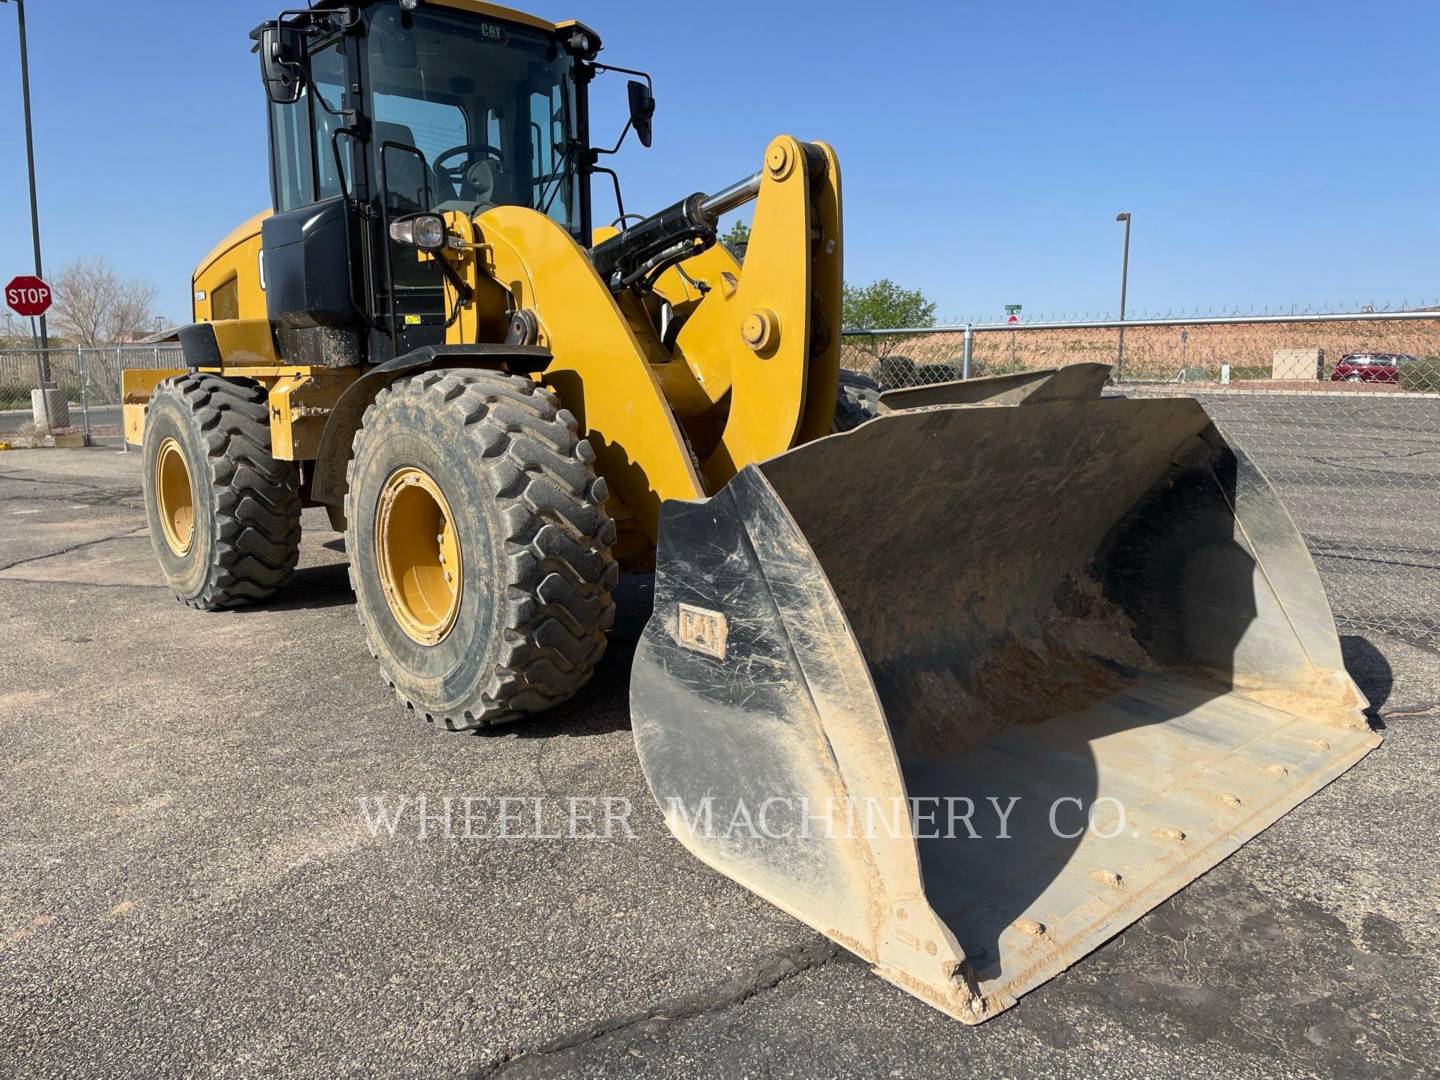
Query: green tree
{"x": 879, "y": 306}
{"x": 737, "y": 239}
{"x": 883, "y": 304}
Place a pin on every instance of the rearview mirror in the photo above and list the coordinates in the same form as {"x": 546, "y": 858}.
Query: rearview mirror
{"x": 642, "y": 110}
{"x": 282, "y": 60}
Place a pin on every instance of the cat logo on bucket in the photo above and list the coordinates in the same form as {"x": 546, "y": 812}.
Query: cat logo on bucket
{"x": 703, "y": 631}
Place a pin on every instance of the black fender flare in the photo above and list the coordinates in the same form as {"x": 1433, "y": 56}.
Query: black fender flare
{"x": 199, "y": 346}
{"x": 327, "y": 483}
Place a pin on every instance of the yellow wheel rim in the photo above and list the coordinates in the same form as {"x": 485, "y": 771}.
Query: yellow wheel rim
{"x": 175, "y": 497}
{"x": 418, "y": 553}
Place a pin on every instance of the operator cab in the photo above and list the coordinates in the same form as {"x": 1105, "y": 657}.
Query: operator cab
{"x": 387, "y": 109}
{"x": 470, "y": 114}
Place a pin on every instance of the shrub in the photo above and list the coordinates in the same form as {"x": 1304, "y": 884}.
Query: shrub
{"x": 1421, "y": 375}
{"x": 895, "y": 371}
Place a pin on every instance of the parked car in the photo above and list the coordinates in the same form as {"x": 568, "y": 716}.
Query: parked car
{"x": 1370, "y": 367}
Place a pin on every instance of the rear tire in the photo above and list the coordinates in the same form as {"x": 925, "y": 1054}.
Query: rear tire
{"x": 224, "y": 515}
{"x": 505, "y": 612}
{"x": 856, "y": 400}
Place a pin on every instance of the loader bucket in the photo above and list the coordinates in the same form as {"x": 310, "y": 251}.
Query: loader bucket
{"x": 974, "y": 686}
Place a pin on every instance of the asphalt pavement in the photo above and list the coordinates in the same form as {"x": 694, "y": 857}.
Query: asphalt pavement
{"x": 189, "y": 886}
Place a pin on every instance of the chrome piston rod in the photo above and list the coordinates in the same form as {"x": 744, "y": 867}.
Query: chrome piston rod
{"x": 730, "y": 198}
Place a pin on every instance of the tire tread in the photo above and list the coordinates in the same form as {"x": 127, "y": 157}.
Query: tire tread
{"x": 555, "y": 533}
{"x": 857, "y": 400}
{"x": 254, "y": 498}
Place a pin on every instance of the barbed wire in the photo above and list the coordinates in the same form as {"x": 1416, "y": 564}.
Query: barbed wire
{"x": 1333, "y": 307}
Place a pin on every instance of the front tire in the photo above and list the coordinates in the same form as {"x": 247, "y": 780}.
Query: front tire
{"x": 479, "y": 546}
{"x": 224, "y": 515}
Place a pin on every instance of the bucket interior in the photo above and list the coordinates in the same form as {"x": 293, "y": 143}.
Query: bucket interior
{"x": 1096, "y": 610}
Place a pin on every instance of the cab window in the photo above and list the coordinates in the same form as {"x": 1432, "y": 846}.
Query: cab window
{"x": 327, "y": 72}
{"x": 485, "y": 110}
{"x": 293, "y": 182}
{"x": 304, "y": 150}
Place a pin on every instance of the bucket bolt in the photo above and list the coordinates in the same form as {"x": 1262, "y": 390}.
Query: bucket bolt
{"x": 760, "y": 329}
{"x": 779, "y": 160}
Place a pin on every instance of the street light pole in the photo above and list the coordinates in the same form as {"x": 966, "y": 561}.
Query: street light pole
{"x": 34, "y": 200}
{"x": 1124, "y": 281}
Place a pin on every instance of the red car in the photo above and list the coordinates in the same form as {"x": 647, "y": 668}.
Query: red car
{"x": 1370, "y": 367}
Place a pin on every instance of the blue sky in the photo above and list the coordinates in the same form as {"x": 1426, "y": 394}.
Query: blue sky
{"x": 1270, "y": 152}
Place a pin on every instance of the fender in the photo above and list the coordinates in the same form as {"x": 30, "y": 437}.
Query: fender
{"x": 228, "y": 343}
{"x": 328, "y": 483}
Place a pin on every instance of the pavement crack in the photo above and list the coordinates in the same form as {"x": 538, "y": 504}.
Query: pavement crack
{"x": 129, "y": 533}
{"x": 1424, "y": 708}
{"x": 88, "y": 499}
{"x": 18, "y": 580}
{"x": 770, "y": 972}
{"x": 93, "y": 489}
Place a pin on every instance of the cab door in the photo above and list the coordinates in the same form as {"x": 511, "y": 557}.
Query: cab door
{"x": 313, "y": 278}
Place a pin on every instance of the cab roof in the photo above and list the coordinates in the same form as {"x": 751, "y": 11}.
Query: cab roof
{"x": 494, "y": 11}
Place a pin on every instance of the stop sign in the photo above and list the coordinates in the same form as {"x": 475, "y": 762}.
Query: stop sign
{"x": 28, "y": 295}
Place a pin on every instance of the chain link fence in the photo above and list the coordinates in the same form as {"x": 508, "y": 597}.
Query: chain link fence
{"x": 1342, "y": 412}
{"x": 84, "y": 401}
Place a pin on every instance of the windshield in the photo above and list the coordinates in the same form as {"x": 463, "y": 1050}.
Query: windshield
{"x": 470, "y": 114}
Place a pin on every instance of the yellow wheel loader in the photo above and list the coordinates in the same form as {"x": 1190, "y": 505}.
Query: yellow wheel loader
{"x": 966, "y": 677}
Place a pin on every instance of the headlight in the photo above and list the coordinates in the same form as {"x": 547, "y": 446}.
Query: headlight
{"x": 424, "y": 231}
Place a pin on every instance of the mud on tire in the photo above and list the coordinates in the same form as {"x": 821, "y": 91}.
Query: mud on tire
{"x": 245, "y": 538}
{"x": 527, "y": 510}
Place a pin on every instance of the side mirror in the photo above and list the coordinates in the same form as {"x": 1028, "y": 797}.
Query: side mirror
{"x": 642, "y": 110}
{"x": 282, "y": 60}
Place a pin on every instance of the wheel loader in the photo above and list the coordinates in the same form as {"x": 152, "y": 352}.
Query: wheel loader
{"x": 967, "y": 677}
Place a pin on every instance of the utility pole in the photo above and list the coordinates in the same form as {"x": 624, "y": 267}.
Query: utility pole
{"x": 34, "y": 200}
{"x": 1124, "y": 281}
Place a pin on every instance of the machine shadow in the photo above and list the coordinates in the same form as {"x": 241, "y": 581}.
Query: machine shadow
{"x": 1372, "y": 672}
{"x": 310, "y": 588}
